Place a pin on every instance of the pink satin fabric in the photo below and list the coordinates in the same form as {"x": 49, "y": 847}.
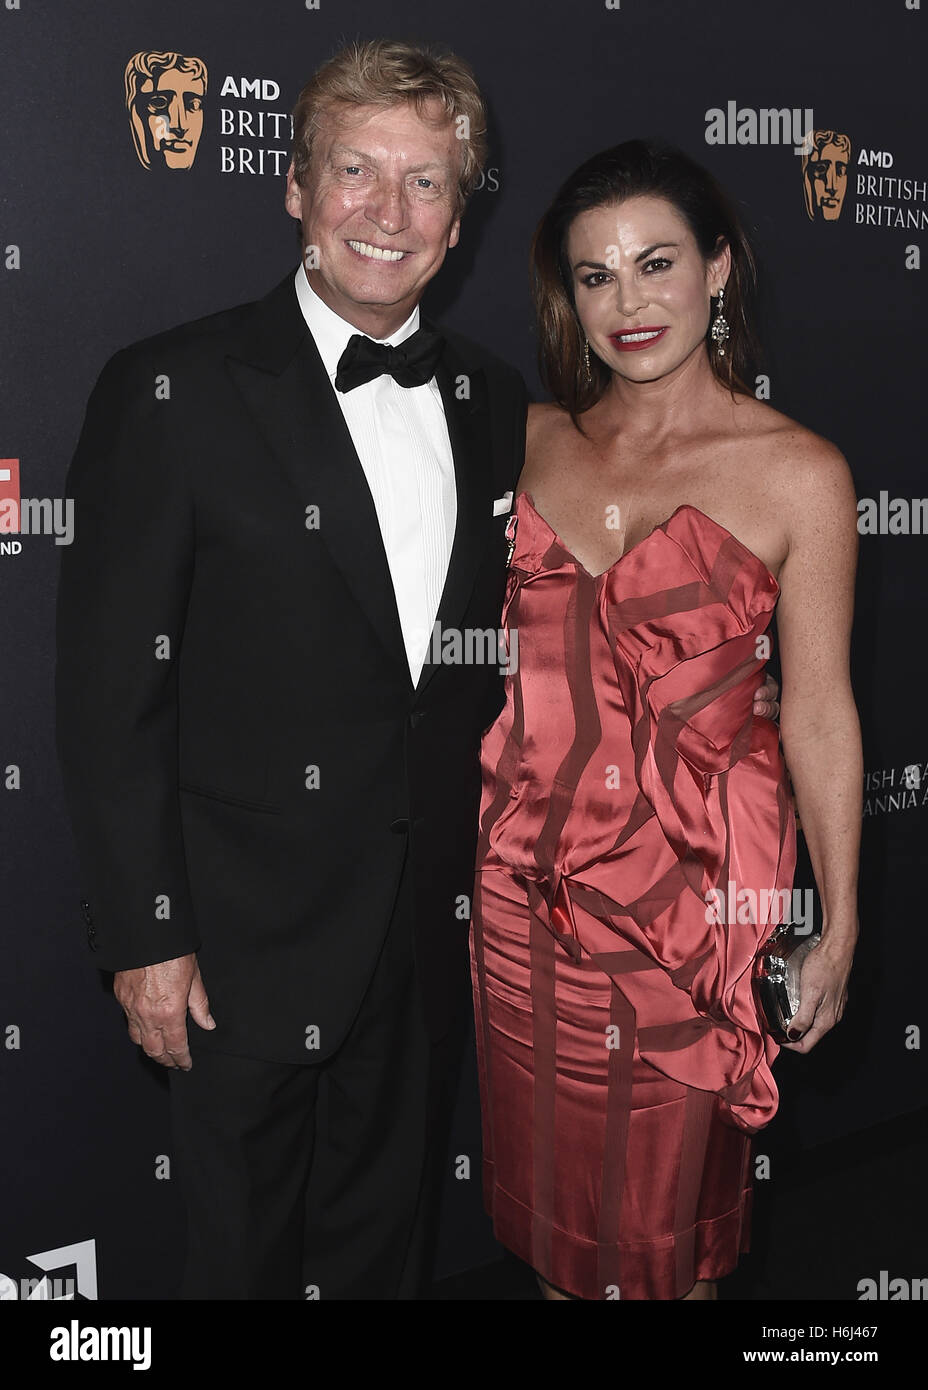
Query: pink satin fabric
{"x": 623, "y": 1067}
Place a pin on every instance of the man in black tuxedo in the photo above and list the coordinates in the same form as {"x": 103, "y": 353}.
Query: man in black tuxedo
{"x": 269, "y": 742}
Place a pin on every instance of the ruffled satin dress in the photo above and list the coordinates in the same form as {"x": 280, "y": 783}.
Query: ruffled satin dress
{"x": 623, "y": 1067}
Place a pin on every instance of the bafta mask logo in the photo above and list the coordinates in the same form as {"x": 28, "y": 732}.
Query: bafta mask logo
{"x": 824, "y": 174}
{"x": 165, "y": 93}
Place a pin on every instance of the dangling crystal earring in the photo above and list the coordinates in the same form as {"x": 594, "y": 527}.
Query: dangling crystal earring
{"x": 586, "y": 360}
{"x": 720, "y": 332}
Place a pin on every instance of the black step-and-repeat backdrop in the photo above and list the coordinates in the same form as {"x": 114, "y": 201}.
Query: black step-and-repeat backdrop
{"x": 811, "y": 114}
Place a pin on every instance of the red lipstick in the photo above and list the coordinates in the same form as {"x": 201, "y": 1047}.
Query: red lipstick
{"x": 625, "y": 339}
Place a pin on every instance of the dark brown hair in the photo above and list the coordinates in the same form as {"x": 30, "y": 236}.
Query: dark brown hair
{"x": 624, "y": 171}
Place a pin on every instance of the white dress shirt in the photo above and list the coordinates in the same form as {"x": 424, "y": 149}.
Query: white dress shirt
{"x": 401, "y": 438}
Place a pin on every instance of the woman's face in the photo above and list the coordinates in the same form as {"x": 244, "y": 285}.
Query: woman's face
{"x": 641, "y": 286}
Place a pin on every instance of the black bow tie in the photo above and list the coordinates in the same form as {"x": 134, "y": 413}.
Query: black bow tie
{"x": 411, "y": 363}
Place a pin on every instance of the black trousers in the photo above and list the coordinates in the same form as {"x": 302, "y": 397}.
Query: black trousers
{"x": 321, "y": 1180}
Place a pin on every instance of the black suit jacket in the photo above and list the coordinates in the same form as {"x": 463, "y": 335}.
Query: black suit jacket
{"x": 243, "y": 752}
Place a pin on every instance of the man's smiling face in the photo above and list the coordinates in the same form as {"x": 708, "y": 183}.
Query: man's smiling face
{"x": 380, "y": 205}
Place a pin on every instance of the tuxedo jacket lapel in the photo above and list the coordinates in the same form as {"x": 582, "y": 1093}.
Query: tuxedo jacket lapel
{"x": 464, "y": 396}
{"x": 282, "y": 381}
{"x": 280, "y": 377}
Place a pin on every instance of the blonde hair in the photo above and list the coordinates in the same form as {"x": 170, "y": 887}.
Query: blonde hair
{"x": 388, "y": 72}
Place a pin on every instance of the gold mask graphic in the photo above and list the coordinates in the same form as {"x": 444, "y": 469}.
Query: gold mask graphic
{"x": 165, "y": 93}
{"x": 824, "y": 174}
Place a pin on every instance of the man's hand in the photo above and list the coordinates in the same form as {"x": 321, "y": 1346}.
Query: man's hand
{"x": 155, "y": 999}
{"x": 765, "y": 698}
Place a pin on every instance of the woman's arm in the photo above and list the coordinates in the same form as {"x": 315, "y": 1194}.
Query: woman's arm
{"x": 818, "y": 721}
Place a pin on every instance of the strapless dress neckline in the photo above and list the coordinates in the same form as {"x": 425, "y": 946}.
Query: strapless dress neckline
{"x": 660, "y": 526}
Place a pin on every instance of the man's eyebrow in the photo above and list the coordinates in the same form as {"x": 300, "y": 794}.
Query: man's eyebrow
{"x": 642, "y": 255}
{"x": 339, "y": 152}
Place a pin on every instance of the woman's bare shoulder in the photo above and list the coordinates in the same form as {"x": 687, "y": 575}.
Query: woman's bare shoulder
{"x": 805, "y": 475}
{"x": 546, "y": 431}
{"x": 795, "y": 457}
{"x": 545, "y": 414}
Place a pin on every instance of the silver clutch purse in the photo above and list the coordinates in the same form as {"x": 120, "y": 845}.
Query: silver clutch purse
{"x": 777, "y": 968}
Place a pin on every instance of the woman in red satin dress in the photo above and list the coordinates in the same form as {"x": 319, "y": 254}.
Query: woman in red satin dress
{"x": 631, "y": 795}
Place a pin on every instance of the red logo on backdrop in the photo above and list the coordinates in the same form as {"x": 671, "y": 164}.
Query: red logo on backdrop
{"x": 9, "y": 495}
